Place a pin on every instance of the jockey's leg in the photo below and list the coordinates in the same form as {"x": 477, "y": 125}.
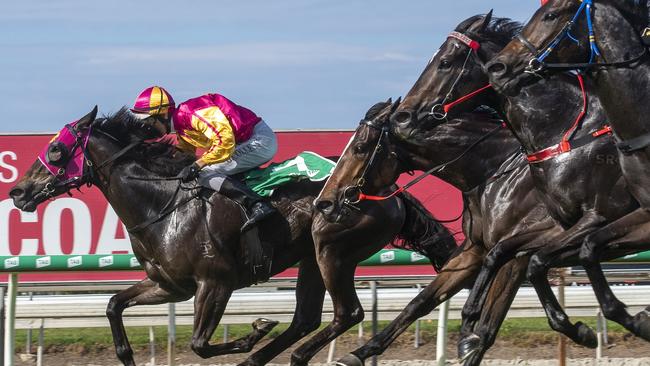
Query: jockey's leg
{"x": 250, "y": 154}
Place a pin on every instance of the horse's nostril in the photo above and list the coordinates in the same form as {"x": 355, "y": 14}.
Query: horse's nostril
{"x": 497, "y": 68}
{"x": 16, "y": 193}
{"x": 324, "y": 206}
{"x": 402, "y": 117}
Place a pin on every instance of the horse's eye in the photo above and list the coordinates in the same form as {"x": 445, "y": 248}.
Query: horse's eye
{"x": 444, "y": 64}
{"x": 548, "y": 17}
{"x": 358, "y": 149}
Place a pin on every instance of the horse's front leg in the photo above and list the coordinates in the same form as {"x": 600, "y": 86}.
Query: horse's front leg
{"x": 145, "y": 292}
{"x": 210, "y": 302}
{"x": 458, "y": 273}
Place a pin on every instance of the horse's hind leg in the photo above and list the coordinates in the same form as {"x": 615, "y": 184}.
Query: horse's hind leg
{"x": 629, "y": 233}
{"x": 454, "y": 276}
{"x": 310, "y": 293}
{"x": 501, "y": 294}
{"x": 210, "y": 302}
{"x": 145, "y": 292}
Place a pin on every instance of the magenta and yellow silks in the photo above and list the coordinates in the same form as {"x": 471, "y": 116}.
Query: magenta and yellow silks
{"x": 154, "y": 100}
{"x": 214, "y": 123}
{"x": 72, "y": 158}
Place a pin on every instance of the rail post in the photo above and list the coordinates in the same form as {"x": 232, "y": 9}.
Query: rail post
{"x": 441, "y": 337}
{"x": 10, "y": 319}
{"x": 171, "y": 335}
{"x": 152, "y": 346}
{"x": 417, "y": 323}
{"x": 562, "y": 341}
{"x": 373, "y": 289}
{"x": 41, "y": 340}
{"x": 2, "y": 323}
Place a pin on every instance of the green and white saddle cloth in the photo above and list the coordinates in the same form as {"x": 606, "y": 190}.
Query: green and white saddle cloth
{"x": 306, "y": 165}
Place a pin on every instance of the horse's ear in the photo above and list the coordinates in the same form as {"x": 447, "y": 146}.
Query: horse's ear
{"x": 88, "y": 118}
{"x": 395, "y": 105}
{"x": 482, "y": 24}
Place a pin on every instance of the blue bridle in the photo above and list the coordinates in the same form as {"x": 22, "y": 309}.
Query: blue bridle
{"x": 536, "y": 64}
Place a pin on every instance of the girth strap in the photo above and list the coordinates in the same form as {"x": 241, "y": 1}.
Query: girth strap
{"x": 635, "y": 144}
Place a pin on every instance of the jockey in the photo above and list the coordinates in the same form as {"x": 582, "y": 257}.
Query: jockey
{"x": 234, "y": 139}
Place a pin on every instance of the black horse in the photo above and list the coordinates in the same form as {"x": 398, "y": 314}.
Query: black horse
{"x": 608, "y": 48}
{"x": 475, "y": 153}
{"x": 188, "y": 240}
{"x": 581, "y": 185}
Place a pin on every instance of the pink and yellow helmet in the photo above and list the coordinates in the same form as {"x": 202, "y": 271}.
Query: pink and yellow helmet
{"x": 154, "y": 101}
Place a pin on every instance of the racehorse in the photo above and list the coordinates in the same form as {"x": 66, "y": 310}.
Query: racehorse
{"x": 475, "y": 153}
{"x": 453, "y": 82}
{"x": 606, "y": 45}
{"x": 188, "y": 239}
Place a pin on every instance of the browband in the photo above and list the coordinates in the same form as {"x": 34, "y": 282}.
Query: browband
{"x": 466, "y": 40}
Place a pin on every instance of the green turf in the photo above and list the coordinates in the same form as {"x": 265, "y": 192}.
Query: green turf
{"x": 139, "y": 336}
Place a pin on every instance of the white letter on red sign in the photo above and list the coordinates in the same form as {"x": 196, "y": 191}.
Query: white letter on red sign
{"x": 28, "y": 246}
{"x": 81, "y": 232}
{"x": 12, "y": 169}
{"x": 108, "y": 243}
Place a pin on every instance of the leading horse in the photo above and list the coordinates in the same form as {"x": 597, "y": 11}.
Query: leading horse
{"x": 602, "y": 39}
{"x": 188, "y": 239}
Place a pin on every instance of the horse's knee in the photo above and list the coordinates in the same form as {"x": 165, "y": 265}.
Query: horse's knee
{"x": 536, "y": 266}
{"x": 588, "y": 252}
{"x": 113, "y": 309}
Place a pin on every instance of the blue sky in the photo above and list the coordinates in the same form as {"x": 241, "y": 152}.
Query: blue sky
{"x": 301, "y": 64}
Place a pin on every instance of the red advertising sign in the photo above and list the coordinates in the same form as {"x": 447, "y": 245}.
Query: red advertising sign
{"x": 86, "y": 224}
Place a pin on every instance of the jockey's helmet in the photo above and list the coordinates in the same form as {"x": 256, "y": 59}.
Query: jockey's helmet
{"x": 154, "y": 101}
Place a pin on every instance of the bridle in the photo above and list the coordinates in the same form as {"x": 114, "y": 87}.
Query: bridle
{"x": 440, "y": 110}
{"x": 356, "y": 189}
{"x": 536, "y": 64}
{"x": 87, "y": 175}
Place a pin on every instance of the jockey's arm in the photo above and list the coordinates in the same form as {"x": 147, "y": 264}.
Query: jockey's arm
{"x": 218, "y": 130}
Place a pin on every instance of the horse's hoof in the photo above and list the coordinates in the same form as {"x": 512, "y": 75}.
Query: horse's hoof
{"x": 264, "y": 325}
{"x": 586, "y": 336}
{"x": 349, "y": 360}
{"x": 642, "y": 324}
{"x": 467, "y": 346}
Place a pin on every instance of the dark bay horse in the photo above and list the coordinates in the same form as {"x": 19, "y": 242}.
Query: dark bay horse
{"x": 188, "y": 240}
{"x": 582, "y": 188}
{"x": 607, "y": 46}
{"x": 481, "y": 158}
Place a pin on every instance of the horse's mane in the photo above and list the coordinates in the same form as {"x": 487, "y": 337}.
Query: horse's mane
{"x": 424, "y": 234}
{"x": 160, "y": 157}
{"x": 499, "y": 30}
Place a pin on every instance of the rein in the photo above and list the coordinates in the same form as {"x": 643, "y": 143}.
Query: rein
{"x": 364, "y": 197}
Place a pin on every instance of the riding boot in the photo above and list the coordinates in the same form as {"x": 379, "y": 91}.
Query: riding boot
{"x": 257, "y": 209}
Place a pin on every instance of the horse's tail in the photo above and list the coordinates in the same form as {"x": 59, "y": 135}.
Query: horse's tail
{"x": 422, "y": 233}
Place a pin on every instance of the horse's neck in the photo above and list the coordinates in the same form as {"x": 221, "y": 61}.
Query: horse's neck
{"x": 624, "y": 91}
{"x": 542, "y": 113}
{"x": 134, "y": 200}
{"x": 481, "y": 161}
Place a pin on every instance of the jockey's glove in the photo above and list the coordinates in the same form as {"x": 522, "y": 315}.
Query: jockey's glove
{"x": 189, "y": 173}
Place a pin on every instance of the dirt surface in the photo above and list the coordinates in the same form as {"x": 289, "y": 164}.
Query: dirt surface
{"x": 513, "y": 351}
